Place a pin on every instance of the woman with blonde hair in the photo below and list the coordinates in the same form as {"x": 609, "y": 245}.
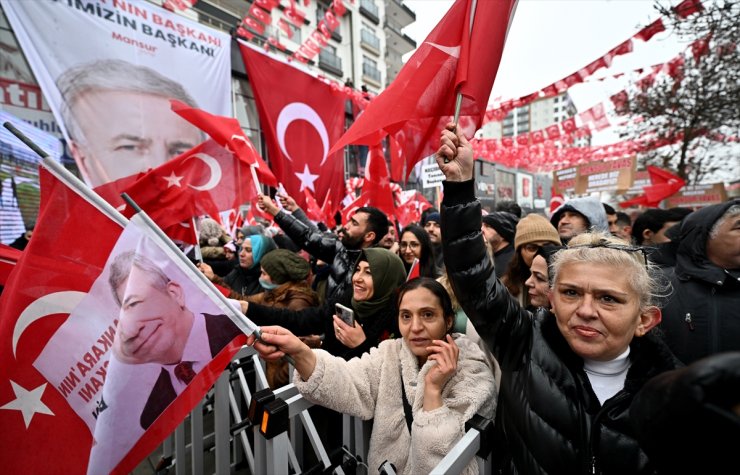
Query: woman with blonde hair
{"x": 569, "y": 374}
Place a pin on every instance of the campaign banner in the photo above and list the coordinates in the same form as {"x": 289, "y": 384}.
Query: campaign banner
{"x": 108, "y": 68}
{"x": 614, "y": 175}
{"x": 564, "y": 180}
{"x": 698, "y": 196}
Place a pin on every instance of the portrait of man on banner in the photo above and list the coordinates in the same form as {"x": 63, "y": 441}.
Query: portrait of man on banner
{"x": 118, "y": 118}
{"x": 109, "y": 82}
{"x": 160, "y": 335}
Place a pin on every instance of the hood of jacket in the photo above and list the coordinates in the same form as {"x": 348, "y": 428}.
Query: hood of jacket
{"x": 589, "y": 207}
{"x": 692, "y": 260}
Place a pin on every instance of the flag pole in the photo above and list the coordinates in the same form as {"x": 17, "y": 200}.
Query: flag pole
{"x": 240, "y": 320}
{"x": 243, "y": 323}
{"x": 459, "y": 97}
{"x": 66, "y": 177}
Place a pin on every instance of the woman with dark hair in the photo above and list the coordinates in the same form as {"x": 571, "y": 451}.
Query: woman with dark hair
{"x": 415, "y": 244}
{"x": 538, "y": 283}
{"x": 441, "y": 381}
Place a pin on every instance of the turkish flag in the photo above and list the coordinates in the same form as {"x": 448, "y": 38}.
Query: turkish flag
{"x": 67, "y": 403}
{"x": 397, "y": 157}
{"x": 553, "y": 132}
{"x": 377, "y": 186}
{"x": 414, "y": 271}
{"x": 421, "y": 100}
{"x": 301, "y": 117}
{"x": 313, "y": 211}
{"x": 651, "y": 30}
{"x": 569, "y": 125}
{"x": 688, "y": 8}
{"x": 8, "y": 258}
{"x": 204, "y": 180}
{"x": 227, "y": 132}
{"x": 537, "y": 137}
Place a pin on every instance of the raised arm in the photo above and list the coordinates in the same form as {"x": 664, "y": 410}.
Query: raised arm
{"x": 496, "y": 315}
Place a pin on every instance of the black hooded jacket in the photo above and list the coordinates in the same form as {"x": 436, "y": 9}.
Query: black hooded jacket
{"x": 549, "y": 419}
{"x": 702, "y": 315}
{"x": 327, "y": 248}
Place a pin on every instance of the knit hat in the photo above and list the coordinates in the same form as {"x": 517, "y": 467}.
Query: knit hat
{"x": 434, "y": 216}
{"x": 534, "y": 227}
{"x": 210, "y": 232}
{"x": 284, "y": 266}
{"x": 503, "y": 222}
{"x": 230, "y": 246}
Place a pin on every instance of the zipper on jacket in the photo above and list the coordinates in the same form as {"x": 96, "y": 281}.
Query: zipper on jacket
{"x": 688, "y": 321}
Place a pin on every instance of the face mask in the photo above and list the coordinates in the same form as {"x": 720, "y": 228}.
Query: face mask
{"x": 268, "y": 285}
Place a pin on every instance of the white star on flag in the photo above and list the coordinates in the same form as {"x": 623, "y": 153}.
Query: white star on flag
{"x": 173, "y": 180}
{"x": 307, "y": 178}
{"x": 28, "y": 402}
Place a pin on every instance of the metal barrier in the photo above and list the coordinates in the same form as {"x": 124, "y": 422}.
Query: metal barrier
{"x": 277, "y": 420}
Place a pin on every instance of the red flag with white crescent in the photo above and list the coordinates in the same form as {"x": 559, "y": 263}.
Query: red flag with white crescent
{"x": 205, "y": 180}
{"x": 421, "y": 100}
{"x": 86, "y": 334}
{"x": 301, "y": 117}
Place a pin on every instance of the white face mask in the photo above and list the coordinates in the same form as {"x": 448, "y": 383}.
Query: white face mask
{"x": 268, "y": 285}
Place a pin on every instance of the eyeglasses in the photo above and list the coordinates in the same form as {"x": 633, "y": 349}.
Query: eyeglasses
{"x": 619, "y": 247}
{"x": 412, "y": 245}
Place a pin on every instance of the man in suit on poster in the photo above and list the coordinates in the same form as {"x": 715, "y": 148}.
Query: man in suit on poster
{"x": 155, "y": 326}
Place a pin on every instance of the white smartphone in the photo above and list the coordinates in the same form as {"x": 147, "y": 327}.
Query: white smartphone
{"x": 346, "y": 314}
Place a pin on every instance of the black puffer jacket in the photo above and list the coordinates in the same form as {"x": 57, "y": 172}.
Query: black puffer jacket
{"x": 327, "y": 248}
{"x": 549, "y": 419}
{"x": 702, "y": 316}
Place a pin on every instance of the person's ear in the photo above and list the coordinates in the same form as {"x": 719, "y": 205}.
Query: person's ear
{"x": 649, "y": 318}
{"x": 647, "y": 235}
{"x": 369, "y": 237}
{"x": 79, "y": 153}
{"x": 175, "y": 291}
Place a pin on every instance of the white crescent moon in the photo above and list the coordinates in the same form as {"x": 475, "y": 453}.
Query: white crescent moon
{"x": 301, "y": 111}
{"x": 51, "y": 304}
{"x": 215, "y": 172}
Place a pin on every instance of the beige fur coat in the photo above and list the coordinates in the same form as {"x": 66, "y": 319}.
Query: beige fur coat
{"x": 370, "y": 388}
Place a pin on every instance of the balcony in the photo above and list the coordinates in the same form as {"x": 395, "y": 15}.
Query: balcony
{"x": 370, "y": 42}
{"x": 370, "y": 10}
{"x": 330, "y": 63}
{"x": 396, "y": 40}
{"x": 399, "y": 12}
{"x": 371, "y": 74}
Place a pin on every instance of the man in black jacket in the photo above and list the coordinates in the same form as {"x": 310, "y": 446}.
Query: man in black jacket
{"x": 366, "y": 227}
{"x": 702, "y": 315}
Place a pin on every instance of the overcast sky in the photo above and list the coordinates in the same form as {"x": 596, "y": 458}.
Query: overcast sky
{"x": 550, "y": 39}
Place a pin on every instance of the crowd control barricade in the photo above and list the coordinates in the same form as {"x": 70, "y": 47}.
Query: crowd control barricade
{"x": 243, "y": 426}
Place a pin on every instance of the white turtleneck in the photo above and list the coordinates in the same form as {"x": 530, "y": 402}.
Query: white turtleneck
{"x": 607, "y": 377}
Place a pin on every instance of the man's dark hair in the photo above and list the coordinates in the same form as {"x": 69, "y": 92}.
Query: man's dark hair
{"x": 609, "y": 210}
{"x": 377, "y": 221}
{"x": 510, "y": 207}
{"x": 623, "y": 219}
{"x": 652, "y": 219}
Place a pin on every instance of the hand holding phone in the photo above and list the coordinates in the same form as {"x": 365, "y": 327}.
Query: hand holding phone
{"x": 346, "y": 314}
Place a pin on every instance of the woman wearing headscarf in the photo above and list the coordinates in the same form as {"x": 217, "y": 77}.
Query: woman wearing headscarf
{"x": 377, "y": 275}
{"x": 244, "y": 279}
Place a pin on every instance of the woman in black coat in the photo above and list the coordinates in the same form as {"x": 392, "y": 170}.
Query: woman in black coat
{"x": 570, "y": 374}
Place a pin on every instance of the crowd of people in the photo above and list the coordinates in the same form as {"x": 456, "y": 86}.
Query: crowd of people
{"x": 568, "y": 331}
